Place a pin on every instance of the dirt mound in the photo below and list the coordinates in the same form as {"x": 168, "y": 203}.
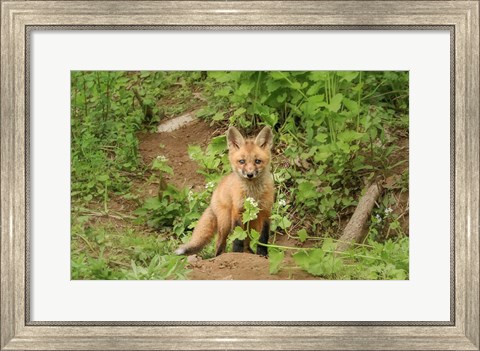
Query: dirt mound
{"x": 242, "y": 266}
{"x": 174, "y": 146}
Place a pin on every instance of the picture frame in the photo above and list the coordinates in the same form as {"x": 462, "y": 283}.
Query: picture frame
{"x": 19, "y": 333}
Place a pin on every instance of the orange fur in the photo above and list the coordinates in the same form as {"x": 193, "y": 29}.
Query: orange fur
{"x": 251, "y": 177}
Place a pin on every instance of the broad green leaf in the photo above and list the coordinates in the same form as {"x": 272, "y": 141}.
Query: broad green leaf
{"x": 219, "y": 116}
{"x": 348, "y": 75}
{"x": 351, "y": 105}
{"x": 223, "y": 92}
{"x": 301, "y": 258}
{"x": 103, "y": 178}
{"x": 318, "y": 76}
{"x": 335, "y": 103}
{"x": 239, "y": 112}
{"x": 306, "y": 190}
{"x": 349, "y": 135}
{"x": 302, "y": 235}
{"x": 275, "y": 258}
{"x": 328, "y": 245}
{"x": 245, "y": 88}
{"x": 238, "y": 233}
{"x": 218, "y": 144}
{"x": 152, "y": 203}
{"x": 278, "y": 75}
{"x": 321, "y": 137}
{"x": 254, "y": 236}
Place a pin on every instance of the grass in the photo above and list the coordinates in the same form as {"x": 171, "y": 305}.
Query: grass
{"x": 334, "y": 133}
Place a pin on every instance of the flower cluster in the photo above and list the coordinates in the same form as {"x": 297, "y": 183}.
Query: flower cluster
{"x": 252, "y": 201}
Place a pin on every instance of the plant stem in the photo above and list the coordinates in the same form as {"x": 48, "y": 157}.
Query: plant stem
{"x": 105, "y": 198}
{"x": 314, "y": 248}
{"x": 288, "y": 80}
{"x": 86, "y": 242}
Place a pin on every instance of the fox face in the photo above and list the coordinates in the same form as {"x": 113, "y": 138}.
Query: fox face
{"x": 249, "y": 158}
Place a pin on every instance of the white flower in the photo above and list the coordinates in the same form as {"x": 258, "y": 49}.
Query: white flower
{"x": 190, "y": 196}
{"x": 209, "y": 185}
{"x": 161, "y": 158}
{"x": 282, "y": 202}
{"x": 388, "y": 210}
{"x": 379, "y": 219}
{"x": 252, "y": 201}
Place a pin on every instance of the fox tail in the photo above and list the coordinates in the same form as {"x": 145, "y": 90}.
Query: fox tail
{"x": 202, "y": 234}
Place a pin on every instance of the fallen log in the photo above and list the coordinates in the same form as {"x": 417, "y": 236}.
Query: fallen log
{"x": 355, "y": 231}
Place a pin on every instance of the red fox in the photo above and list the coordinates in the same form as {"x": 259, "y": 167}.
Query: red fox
{"x": 251, "y": 177}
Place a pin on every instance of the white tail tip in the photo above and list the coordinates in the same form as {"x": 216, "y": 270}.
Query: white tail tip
{"x": 180, "y": 251}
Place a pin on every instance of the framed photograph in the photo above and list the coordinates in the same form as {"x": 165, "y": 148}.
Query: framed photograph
{"x": 239, "y": 175}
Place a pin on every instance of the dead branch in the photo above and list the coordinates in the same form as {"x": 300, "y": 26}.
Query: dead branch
{"x": 355, "y": 231}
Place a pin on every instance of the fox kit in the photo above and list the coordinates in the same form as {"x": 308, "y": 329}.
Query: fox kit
{"x": 251, "y": 177}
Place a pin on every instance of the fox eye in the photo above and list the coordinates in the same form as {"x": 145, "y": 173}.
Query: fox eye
{"x": 257, "y": 161}
{"x": 241, "y": 162}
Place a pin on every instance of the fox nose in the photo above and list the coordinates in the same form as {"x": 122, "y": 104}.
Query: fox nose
{"x": 250, "y": 175}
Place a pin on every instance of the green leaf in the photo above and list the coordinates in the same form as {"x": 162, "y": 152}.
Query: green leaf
{"x": 239, "y": 112}
{"x": 218, "y": 145}
{"x": 328, "y": 245}
{"x": 238, "y": 233}
{"x": 318, "y": 76}
{"x": 223, "y": 92}
{"x": 351, "y": 105}
{"x": 350, "y": 135}
{"x": 245, "y": 88}
{"x": 348, "y": 75}
{"x": 275, "y": 258}
{"x": 161, "y": 165}
{"x": 335, "y": 103}
{"x": 103, "y": 178}
{"x": 219, "y": 116}
{"x": 301, "y": 258}
{"x": 302, "y": 235}
{"x": 254, "y": 236}
{"x": 306, "y": 190}
{"x": 278, "y": 75}
{"x": 284, "y": 223}
{"x": 312, "y": 261}
{"x": 321, "y": 137}
{"x": 152, "y": 203}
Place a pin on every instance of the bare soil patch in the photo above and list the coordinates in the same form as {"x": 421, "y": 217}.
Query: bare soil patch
{"x": 174, "y": 146}
{"x": 243, "y": 266}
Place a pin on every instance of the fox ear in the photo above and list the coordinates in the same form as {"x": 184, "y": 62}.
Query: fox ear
{"x": 234, "y": 138}
{"x": 265, "y": 138}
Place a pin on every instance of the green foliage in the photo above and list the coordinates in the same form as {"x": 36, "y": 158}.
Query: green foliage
{"x": 334, "y": 133}
{"x": 213, "y": 161}
{"x": 336, "y": 129}
{"x": 388, "y": 260}
{"x": 375, "y": 261}
{"x": 275, "y": 258}
{"x": 176, "y": 212}
{"x": 160, "y": 268}
{"x": 105, "y": 251}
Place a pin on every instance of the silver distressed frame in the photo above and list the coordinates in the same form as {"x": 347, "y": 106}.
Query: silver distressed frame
{"x": 17, "y": 332}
